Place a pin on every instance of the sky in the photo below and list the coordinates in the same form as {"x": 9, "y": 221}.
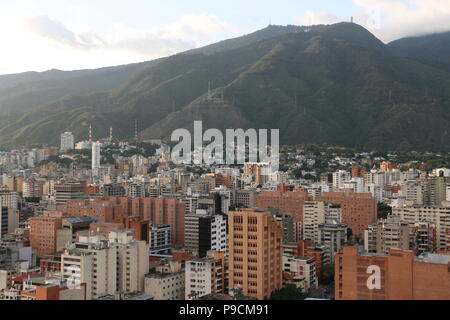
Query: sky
{"x": 38, "y": 35}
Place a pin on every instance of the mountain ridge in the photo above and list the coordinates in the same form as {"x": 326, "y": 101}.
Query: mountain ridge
{"x": 334, "y": 84}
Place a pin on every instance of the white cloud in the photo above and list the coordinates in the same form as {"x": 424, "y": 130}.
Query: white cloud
{"x": 313, "y": 18}
{"x": 38, "y": 42}
{"x": 392, "y": 19}
{"x": 399, "y": 19}
{"x": 54, "y": 30}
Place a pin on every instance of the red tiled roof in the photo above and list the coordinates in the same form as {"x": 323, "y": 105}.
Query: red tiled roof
{"x": 25, "y": 276}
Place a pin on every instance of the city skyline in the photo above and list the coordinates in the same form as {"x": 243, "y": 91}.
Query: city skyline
{"x": 308, "y": 160}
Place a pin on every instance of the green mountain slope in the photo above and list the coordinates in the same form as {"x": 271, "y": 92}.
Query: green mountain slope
{"x": 333, "y": 84}
{"x": 432, "y": 47}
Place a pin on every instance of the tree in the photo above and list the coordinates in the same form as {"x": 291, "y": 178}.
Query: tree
{"x": 349, "y": 234}
{"x": 289, "y": 292}
{"x": 297, "y": 173}
{"x": 383, "y": 210}
{"x": 309, "y": 176}
{"x": 33, "y": 200}
{"x": 327, "y": 274}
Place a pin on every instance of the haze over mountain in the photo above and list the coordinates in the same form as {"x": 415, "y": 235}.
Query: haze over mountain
{"x": 334, "y": 84}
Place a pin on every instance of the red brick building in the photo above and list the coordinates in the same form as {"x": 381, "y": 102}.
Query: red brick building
{"x": 157, "y": 211}
{"x": 102, "y": 210}
{"x": 402, "y": 276}
{"x": 43, "y": 234}
{"x": 287, "y": 202}
{"x": 359, "y": 210}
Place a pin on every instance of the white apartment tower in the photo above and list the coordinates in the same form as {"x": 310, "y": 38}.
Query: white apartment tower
{"x": 107, "y": 266}
{"x": 67, "y": 141}
{"x": 96, "y": 147}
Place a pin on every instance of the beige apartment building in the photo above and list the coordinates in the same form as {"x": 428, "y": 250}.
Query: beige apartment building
{"x": 439, "y": 215}
{"x": 167, "y": 282}
{"x": 204, "y": 276}
{"x": 93, "y": 264}
{"x": 255, "y": 252}
{"x": 386, "y": 234}
{"x": 118, "y": 264}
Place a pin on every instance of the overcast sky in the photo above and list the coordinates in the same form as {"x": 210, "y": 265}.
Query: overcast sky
{"x": 38, "y": 35}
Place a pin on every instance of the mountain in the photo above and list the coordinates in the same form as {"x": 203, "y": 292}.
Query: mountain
{"x": 263, "y": 34}
{"x": 431, "y": 47}
{"x": 23, "y": 92}
{"x": 334, "y": 84}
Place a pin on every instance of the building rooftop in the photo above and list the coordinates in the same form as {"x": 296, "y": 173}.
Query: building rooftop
{"x": 132, "y": 296}
{"x": 433, "y": 258}
{"x": 26, "y": 276}
{"x": 75, "y": 220}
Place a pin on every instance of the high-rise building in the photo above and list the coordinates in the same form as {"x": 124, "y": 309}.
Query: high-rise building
{"x": 205, "y": 232}
{"x": 93, "y": 264}
{"x": 69, "y": 191}
{"x": 204, "y": 276}
{"x": 113, "y": 190}
{"x": 358, "y": 172}
{"x": 301, "y": 272}
{"x": 67, "y": 141}
{"x": 101, "y": 210}
{"x": 136, "y": 190}
{"x": 133, "y": 262}
{"x": 43, "y": 234}
{"x": 434, "y": 190}
{"x": 255, "y": 252}
{"x": 96, "y": 147}
{"x": 333, "y": 235}
{"x": 399, "y": 275}
{"x": 157, "y": 211}
{"x": 3, "y": 221}
{"x": 386, "y": 234}
{"x": 440, "y": 216}
{"x": 313, "y": 215}
{"x": 339, "y": 177}
{"x": 286, "y": 201}
{"x": 160, "y": 239}
{"x": 412, "y": 191}
{"x": 9, "y": 199}
{"x": 244, "y": 198}
{"x": 107, "y": 266}
{"x": 167, "y": 282}
{"x": 358, "y": 209}
{"x": 424, "y": 237}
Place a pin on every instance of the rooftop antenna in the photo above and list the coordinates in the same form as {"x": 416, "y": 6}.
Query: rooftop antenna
{"x": 90, "y": 133}
{"x": 110, "y": 134}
